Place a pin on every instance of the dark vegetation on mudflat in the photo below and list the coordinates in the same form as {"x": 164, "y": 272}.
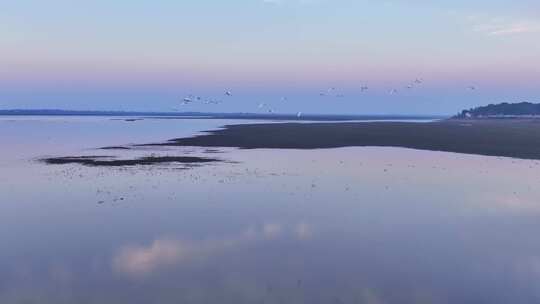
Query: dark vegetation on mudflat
{"x": 105, "y": 161}
{"x": 115, "y": 148}
{"x": 495, "y": 137}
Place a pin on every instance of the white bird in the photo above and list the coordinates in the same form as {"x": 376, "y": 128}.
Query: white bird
{"x": 393, "y": 91}
{"x": 299, "y": 114}
{"x": 262, "y": 105}
{"x": 210, "y": 101}
{"x": 364, "y": 88}
{"x": 418, "y": 80}
{"x": 228, "y": 93}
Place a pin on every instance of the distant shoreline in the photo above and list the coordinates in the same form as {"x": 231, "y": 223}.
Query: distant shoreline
{"x": 490, "y": 137}
{"x": 206, "y": 115}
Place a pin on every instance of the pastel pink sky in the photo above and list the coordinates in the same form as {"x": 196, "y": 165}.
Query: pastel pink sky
{"x": 258, "y": 47}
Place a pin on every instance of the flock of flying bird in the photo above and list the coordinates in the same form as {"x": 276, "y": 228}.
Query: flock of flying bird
{"x": 331, "y": 92}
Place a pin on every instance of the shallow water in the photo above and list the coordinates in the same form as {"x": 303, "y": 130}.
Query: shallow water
{"x": 350, "y": 225}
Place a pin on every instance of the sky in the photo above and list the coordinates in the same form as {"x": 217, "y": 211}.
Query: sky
{"x": 149, "y": 55}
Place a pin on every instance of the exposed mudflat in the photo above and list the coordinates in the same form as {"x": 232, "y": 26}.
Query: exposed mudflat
{"x": 493, "y": 137}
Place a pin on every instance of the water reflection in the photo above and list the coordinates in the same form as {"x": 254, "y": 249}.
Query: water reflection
{"x": 164, "y": 253}
{"x": 355, "y": 225}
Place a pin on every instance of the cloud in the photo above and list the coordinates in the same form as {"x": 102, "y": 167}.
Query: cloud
{"x": 517, "y": 28}
{"x": 502, "y": 27}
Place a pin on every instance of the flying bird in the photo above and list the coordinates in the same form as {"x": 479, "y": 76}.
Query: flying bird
{"x": 211, "y": 101}
{"x": 228, "y": 93}
{"x": 187, "y": 100}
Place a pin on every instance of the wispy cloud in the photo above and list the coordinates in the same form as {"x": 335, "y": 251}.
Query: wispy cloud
{"x": 502, "y": 27}
{"x": 517, "y": 28}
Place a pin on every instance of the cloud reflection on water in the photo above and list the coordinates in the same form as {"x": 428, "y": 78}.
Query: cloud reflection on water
{"x": 162, "y": 253}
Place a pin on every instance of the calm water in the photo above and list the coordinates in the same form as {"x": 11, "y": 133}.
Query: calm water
{"x": 352, "y": 225}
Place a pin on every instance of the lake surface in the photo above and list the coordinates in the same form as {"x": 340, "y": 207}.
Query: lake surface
{"x": 350, "y": 225}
